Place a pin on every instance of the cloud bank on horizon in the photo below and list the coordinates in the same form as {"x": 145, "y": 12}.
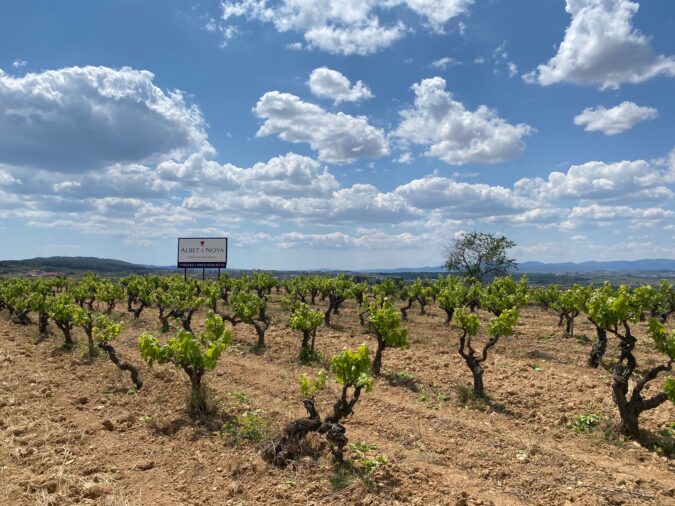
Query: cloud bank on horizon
{"x": 343, "y": 134}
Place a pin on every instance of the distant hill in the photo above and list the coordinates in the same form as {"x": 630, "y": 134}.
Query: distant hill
{"x": 78, "y": 265}
{"x": 70, "y": 265}
{"x": 402, "y": 270}
{"x": 647, "y": 265}
{"x": 660, "y": 265}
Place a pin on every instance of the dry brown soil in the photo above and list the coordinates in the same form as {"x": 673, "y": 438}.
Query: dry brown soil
{"x": 71, "y": 433}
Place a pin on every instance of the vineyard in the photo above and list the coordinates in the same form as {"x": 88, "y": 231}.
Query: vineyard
{"x": 333, "y": 390}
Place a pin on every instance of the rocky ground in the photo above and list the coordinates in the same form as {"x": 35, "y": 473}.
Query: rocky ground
{"x": 72, "y": 432}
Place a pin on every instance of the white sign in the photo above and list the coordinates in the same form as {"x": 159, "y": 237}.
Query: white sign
{"x": 206, "y": 252}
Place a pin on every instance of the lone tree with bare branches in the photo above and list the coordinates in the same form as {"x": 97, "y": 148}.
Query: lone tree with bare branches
{"x": 480, "y": 255}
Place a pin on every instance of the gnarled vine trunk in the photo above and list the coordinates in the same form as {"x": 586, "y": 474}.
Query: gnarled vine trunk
{"x": 285, "y": 449}
{"x": 377, "y": 360}
{"x": 631, "y": 408}
{"x": 599, "y": 348}
{"x": 404, "y": 310}
{"x": 124, "y": 366}
{"x": 448, "y": 315}
{"x": 66, "y": 328}
{"x": 43, "y": 321}
{"x": 474, "y": 362}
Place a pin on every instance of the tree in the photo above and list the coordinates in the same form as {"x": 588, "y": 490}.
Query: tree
{"x": 503, "y": 297}
{"x": 109, "y": 292}
{"x": 42, "y": 290}
{"x": 63, "y": 313}
{"x": 104, "y": 331}
{"x": 84, "y": 291}
{"x": 416, "y": 292}
{"x": 139, "y": 292}
{"x": 479, "y": 255}
{"x": 568, "y": 306}
{"x": 250, "y": 309}
{"x": 86, "y": 320}
{"x": 193, "y": 354}
{"x": 617, "y": 313}
{"x": 547, "y": 296}
{"x": 453, "y": 294}
{"x": 599, "y": 314}
{"x": 384, "y": 322}
{"x": 338, "y": 290}
{"x": 351, "y": 370}
{"x": 15, "y": 296}
{"x": 499, "y": 326}
{"x": 504, "y": 294}
{"x": 306, "y": 320}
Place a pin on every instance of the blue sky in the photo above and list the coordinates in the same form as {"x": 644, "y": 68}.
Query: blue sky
{"x": 354, "y": 134}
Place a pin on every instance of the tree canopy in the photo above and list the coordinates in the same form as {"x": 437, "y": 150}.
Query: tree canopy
{"x": 480, "y": 255}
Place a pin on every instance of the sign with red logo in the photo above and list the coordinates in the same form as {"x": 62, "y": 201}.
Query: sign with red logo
{"x": 202, "y": 252}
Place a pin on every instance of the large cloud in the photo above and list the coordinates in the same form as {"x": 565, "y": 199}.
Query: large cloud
{"x": 331, "y": 84}
{"x": 344, "y": 27}
{"x": 616, "y": 119}
{"x": 84, "y": 118}
{"x": 453, "y": 133}
{"x": 597, "y": 214}
{"x": 297, "y": 191}
{"x": 462, "y": 200}
{"x": 621, "y": 181}
{"x": 601, "y": 47}
{"x": 338, "y": 138}
{"x": 364, "y": 238}
{"x": 288, "y": 175}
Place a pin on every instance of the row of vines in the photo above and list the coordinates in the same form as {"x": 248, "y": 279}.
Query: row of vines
{"x": 477, "y": 315}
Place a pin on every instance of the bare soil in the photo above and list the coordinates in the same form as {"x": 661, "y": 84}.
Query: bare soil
{"x": 71, "y": 432}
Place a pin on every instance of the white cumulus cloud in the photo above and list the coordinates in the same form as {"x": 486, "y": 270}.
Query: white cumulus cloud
{"x": 331, "y": 84}
{"x": 444, "y": 63}
{"x": 454, "y": 134}
{"x": 345, "y": 27}
{"x": 601, "y": 47}
{"x": 84, "y": 118}
{"x": 636, "y": 180}
{"x": 338, "y": 138}
{"x": 616, "y": 119}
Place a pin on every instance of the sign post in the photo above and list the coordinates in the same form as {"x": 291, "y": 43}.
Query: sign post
{"x": 202, "y": 252}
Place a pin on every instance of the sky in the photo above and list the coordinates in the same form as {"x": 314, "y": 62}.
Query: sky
{"x": 349, "y": 135}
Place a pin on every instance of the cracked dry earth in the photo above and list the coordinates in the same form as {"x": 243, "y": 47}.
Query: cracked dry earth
{"x": 71, "y": 433}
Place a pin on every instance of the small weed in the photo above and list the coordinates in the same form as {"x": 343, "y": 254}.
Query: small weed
{"x": 668, "y": 430}
{"x": 582, "y": 338}
{"x": 235, "y": 348}
{"x": 289, "y": 483}
{"x": 362, "y": 447}
{"x": 241, "y": 397}
{"x": 311, "y": 357}
{"x": 663, "y": 441}
{"x": 404, "y": 376}
{"x": 250, "y": 425}
{"x": 432, "y": 402}
{"x": 547, "y": 337}
{"x": 145, "y": 419}
{"x": 467, "y": 398}
{"x": 132, "y": 391}
{"x": 535, "y": 367}
{"x": 368, "y": 463}
{"x": 586, "y": 422}
{"x": 341, "y": 478}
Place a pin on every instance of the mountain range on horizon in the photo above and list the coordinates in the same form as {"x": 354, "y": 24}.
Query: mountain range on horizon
{"x": 113, "y": 265}
{"x": 641, "y": 265}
